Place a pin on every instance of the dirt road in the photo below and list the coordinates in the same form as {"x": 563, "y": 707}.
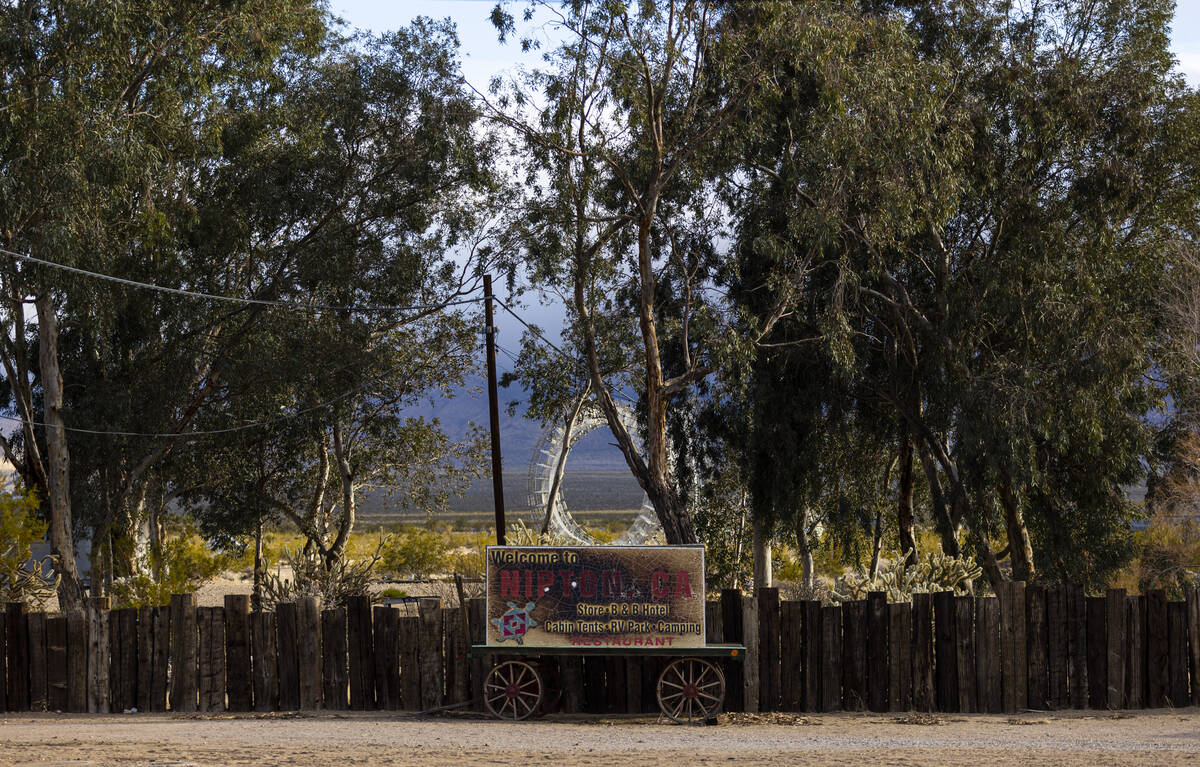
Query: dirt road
{"x": 1166, "y": 738}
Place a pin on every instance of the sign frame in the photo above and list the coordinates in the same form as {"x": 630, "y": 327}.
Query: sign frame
{"x": 683, "y": 635}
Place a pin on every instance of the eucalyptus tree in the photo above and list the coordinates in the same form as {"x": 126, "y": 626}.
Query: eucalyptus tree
{"x": 98, "y": 100}
{"x": 1006, "y": 330}
{"x": 330, "y": 181}
{"x": 628, "y": 131}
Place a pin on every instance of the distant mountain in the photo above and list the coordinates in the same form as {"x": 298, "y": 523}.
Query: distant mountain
{"x": 519, "y": 436}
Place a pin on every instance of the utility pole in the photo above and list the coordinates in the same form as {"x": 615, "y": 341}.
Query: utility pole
{"x": 494, "y": 409}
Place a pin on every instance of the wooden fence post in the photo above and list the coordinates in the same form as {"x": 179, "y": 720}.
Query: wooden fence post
{"x": 430, "y": 613}
{"x": 1014, "y": 661}
{"x": 409, "y": 631}
{"x": 56, "y": 664}
{"x": 160, "y": 658}
{"x": 128, "y": 620}
{"x": 877, "y": 652}
{"x": 751, "y": 681}
{"x": 831, "y": 658}
{"x": 1037, "y": 637}
{"x": 238, "y": 670}
{"x": 308, "y": 617}
{"x": 732, "y": 628}
{"x": 964, "y": 618}
{"x": 769, "y": 637}
{"x": 38, "y": 692}
{"x": 924, "y": 696}
{"x": 183, "y": 653}
{"x": 1193, "y": 621}
{"x": 16, "y": 628}
{"x": 791, "y": 655}
{"x": 854, "y": 657}
{"x": 145, "y": 658}
{"x": 945, "y": 632}
{"x": 1077, "y": 645}
{"x": 333, "y": 665}
{"x": 287, "y": 618}
{"x": 1177, "y": 693}
{"x": 361, "y": 645}
{"x": 1157, "y": 686}
{"x": 98, "y": 655}
{"x": 1115, "y": 620}
{"x": 77, "y": 654}
{"x": 988, "y": 675}
{"x": 812, "y": 655}
{"x": 1135, "y": 654}
{"x": 1097, "y": 652}
{"x": 900, "y": 656}
{"x": 458, "y": 675}
{"x": 211, "y": 621}
{"x": 3, "y": 661}
{"x": 265, "y": 661}
{"x": 386, "y": 626}
{"x": 480, "y": 666}
{"x": 1057, "y": 660}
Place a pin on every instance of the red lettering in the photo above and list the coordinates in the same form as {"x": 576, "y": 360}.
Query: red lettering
{"x": 545, "y": 579}
{"x": 611, "y": 583}
{"x": 658, "y": 584}
{"x": 683, "y": 586}
{"x": 529, "y": 583}
{"x": 510, "y": 583}
{"x": 565, "y": 575}
{"x": 587, "y": 583}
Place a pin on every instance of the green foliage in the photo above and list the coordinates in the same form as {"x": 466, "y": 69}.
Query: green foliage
{"x": 1168, "y": 555}
{"x": 23, "y": 579}
{"x": 415, "y": 553}
{"x": 975, "y": 227}
{"x": 182, "y": 564}
{"x": 723, "y": 523}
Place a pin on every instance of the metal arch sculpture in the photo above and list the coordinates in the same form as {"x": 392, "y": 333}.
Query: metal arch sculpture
{"x": 551, "y": 450}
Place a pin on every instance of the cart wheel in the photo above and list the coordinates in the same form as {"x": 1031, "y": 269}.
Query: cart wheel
{"x": 691, "y": 690}
{"x": 512, "y": 690}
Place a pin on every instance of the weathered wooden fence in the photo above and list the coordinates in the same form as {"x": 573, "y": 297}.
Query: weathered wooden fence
{"x": 1030, "y": 647}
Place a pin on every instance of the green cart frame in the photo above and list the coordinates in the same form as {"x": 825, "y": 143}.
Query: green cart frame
{"x": 690, "y": 690}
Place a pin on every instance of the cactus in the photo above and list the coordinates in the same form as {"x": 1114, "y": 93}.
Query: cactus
{"x": 934, "y": 572}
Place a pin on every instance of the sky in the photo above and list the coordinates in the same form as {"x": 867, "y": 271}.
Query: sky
{"x": 484, "y": 57}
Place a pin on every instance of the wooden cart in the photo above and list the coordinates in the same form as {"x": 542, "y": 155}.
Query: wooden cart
{"x": 690, "y": 690}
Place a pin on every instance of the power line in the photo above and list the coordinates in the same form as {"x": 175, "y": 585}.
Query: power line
{"x": 209, "y": 432}
{"x": 238, "y": 299}
{"x": 534, "y": 329}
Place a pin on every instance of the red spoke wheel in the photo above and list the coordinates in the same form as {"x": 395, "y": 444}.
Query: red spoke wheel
{"x": 691, "y": 690}
{"x": 513, "y": 690}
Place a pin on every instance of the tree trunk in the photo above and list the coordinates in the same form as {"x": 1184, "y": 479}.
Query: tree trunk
{"x": 941, "y": 513}
{"x": 561, "y": 468}
{"x": 672, "y": 511}
{"x": 762, "y": 557}
{"x": 256, "y": 598}
{"x": 987, "y": 559}
{"x": 808, "y": 576}
{"x": 905, "y": 522}
{"x": 876, "y": 545}
{"x": 341, "y": 453}
{"x": 1020, "y": 549}
{"x": 62, "y": 541}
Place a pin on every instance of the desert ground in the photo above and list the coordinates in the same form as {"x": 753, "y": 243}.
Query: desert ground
{"x": 1032, "y": 739}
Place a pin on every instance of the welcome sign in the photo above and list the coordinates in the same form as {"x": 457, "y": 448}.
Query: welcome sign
{"x": 597, "y": 596}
